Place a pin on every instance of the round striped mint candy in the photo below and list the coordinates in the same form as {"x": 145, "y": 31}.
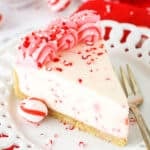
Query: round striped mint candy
{"x": 1, "y": 18}
{"x": 58, "y": 5}
{"x": 33, "y": 109}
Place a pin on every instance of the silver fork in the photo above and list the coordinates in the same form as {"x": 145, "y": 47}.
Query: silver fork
{"x": 135, "y": 99}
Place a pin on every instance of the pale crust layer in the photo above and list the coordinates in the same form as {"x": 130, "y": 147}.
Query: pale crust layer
{"x": 81, "y": 126}
{"x": 66, "y": 119}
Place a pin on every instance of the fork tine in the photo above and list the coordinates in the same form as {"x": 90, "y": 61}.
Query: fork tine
{"x": 125, "y": 83}
{"x": 133, "y": 82}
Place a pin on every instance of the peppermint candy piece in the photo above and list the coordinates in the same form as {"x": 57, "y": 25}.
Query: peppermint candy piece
{"x": 33, "y": 109}
{"x": 58, "y": 5}
{"x": 1, "y": 18}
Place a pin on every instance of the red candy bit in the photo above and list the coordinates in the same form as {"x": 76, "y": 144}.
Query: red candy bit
{"x": 56, "y": 135}
{"x": 88, "y": 50}
{"x": 1, "y": 18}
{"x": 139, "y": 55}
{"x": 80, "y": 80}
{"x": 12, "y": 147}
{"x": 100, "y": 53}
{"x": 33, "y": 123}
{"x": 92, "y": 59}
{"x": 132, "y": 120}
{"x": 82, "y": 144}
{"x": 101, "y": 46}
{"x": 51, "y": 142}
{"x": 108, "y": 78}
{"x": 91, "y": 70}
{"x": 59, "y": 69}
{"x": 126, "y": 121}
{"x": 2, "y": 135}
{"x": 88, "y": 62}
{"x": 70, "y": 127}
{"x": 67, "y": 63}
{"x": 79, "y": 52}
{"x": 91, "y": 49}
{"x": 56, "y": 59}
{"x": 26, "y": 42}
{"x": 64, "y": 123}
{"x": 84, "y": 57}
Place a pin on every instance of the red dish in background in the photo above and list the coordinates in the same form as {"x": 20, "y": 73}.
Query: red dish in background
{"x": 132, "y": 11}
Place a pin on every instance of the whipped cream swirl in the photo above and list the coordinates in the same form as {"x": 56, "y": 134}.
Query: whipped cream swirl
{"x": 62, "y": 34}
{"x": 88, "y": 26}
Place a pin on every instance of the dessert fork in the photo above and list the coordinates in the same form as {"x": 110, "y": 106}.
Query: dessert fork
{"x": 135, "y": 98}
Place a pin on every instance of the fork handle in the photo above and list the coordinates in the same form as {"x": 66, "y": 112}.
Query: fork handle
{"x": 142, "y": 125}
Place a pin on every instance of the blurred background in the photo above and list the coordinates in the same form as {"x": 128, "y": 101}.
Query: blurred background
{"x": 18, "y": 16}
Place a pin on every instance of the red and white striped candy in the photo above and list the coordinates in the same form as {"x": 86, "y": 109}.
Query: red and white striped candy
{"x": 1, "y": 18}
{"x": 33, "y": 109}
{"x": 58, "y": 5}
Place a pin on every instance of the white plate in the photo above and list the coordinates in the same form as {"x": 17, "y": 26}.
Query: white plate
{"x": 53, "y": 135}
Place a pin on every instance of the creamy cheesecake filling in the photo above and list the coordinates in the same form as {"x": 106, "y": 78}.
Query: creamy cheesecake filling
{"x": 81, "y": 84}
{"x": 72, "y": 99}
{"x": 67, "y": 66}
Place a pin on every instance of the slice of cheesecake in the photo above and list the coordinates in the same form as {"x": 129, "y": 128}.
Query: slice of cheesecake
{"x": 79, "y": 87}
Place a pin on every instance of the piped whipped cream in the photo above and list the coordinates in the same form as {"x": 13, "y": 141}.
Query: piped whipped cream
{"x": 41, "y": 47}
